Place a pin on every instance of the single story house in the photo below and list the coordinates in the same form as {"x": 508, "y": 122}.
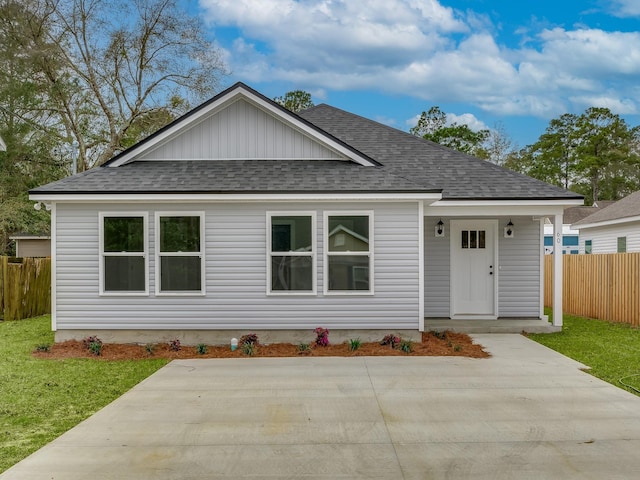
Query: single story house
{"x": 3, "y": 146}
{"x": 614, "y": 229}
{"x": 32, "y": 245}
{"x": 243, "y": 216}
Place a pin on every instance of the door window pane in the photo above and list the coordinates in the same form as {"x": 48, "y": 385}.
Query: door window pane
{"x": 473, "y": 236}
{"x": 481, "y": 239}
{"x": 465, "y": 239}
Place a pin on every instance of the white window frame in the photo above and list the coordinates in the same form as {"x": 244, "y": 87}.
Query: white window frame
{"x": 327, "y": 253}
{"x": 201, "y": 254}
{"x": 144, "y": 254}
{"x": 313, "y": 254}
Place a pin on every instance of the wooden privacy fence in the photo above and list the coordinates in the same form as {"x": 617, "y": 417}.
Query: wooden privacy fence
{"x": 605, "y": 286}
{"x": 25, "y": 287}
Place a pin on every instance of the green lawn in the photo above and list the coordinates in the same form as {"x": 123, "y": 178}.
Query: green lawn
{"x": 612, "y": 350}
{"x": 41, "y": 399}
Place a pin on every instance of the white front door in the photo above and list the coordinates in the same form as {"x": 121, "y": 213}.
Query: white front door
{"x": 473, "y": 268}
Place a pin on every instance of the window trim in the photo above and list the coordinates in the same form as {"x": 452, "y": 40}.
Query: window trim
{"x": 314, "y": 256}
{"x": 158, "y": 255}
{"x": 327, "y": 253}
{"x": 144, "y": 254}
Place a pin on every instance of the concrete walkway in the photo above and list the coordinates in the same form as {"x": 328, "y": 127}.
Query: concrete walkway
{"x": 526, "y": 413}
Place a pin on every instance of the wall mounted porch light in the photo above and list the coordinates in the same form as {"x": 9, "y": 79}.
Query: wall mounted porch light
{"x": 440, "y": 229}
{"x": 509, "y": 230}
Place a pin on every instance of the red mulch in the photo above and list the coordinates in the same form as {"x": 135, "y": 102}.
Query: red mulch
{"x": 453, "y": 344}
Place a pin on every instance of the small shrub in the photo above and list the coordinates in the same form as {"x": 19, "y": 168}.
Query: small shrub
{"x": 449, "y": 343}
{"x": 322, "y": 337}
{"x": 457, "y": 348}
{"x": 150, "y": 348}
{"x": 93, "y": 344}
{"x": 248, "y": 338}
{"x": 440, "y": 335}
{"x": 391, "y": 340}
{"x": 174, "y": 345}
{"x": 43, "y": 347}
{"x": 304, "y": 348}
{"x": 406, "y": 346}
{"x": 89, "y": 340}
{"x": 354, "y": 344}
{"x": 201, "y": 349}
{"x": 249, "y": 349}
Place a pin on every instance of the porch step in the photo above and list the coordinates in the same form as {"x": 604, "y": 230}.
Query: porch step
{"x": 502, "y": 325}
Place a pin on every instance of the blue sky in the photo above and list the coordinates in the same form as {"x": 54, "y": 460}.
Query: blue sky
{"x": 515, "y": 62}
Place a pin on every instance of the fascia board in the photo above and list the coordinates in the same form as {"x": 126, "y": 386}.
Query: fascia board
{"x": 233, "y": 197}
{"x": 196, "y": 116}
{"x": 495, "y": 207}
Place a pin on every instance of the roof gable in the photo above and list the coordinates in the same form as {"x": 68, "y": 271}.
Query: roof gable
{"x": 625, "y": 210}
{"x": 240, "y": 124}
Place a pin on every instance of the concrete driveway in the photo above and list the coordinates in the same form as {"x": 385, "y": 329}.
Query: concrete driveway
{"x": 528, "y": 412}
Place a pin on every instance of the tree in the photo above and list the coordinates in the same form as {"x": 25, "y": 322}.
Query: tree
{"x": 295, "y": 100}
{"x": 594, "y": 153}
{"x": 432, "y": 125}
{"x": 499, "y": 145}
{"x": 107, "y": 72}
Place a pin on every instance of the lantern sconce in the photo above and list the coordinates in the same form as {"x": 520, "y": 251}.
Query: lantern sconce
{"x": 509, "y": 230}
{"x": 440, "y": 229}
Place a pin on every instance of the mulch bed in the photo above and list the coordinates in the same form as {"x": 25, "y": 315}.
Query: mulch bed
{"x": 443, "y": 344}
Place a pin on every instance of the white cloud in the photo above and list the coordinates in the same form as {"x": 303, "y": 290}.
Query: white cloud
{"x": 430, "y": 51}
{"x": 468, "y": 119}
{"x": 626, "y": 8}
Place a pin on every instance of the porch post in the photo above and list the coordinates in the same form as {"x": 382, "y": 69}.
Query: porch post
{"x": 557, "y": 270}
{"x": 420, "y": 266}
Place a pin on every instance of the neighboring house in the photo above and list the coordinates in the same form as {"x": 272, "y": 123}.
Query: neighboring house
{"x": 243, "y": 216}
{"x": 29, "y": 245}
{"x": 570, "y": 237}
{"x": 614, "y": 229}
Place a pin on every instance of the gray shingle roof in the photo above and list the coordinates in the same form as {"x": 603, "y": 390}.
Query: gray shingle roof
{"x": 459, "y": 175}
{"x": 235, "y": 176}
{"x": 408, "y": 164}
{"x": 629, "y": 206}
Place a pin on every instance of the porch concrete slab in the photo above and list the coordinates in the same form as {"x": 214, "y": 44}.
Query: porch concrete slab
{"x": 526, "y": 412}
{"x": 500, "y": 325}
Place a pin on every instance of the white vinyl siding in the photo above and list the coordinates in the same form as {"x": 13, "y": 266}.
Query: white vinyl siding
{"x": 519, "y": 268}
{"x": 605, "y": 239}
{"x": 235, "y": 274}
{"x": 437, "y": 258}
{"x": 241, "y": 131}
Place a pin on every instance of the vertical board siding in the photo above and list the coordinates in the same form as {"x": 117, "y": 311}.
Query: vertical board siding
{"x": 235, "y": 254}
{"x": 519, "y": 268}
{"x": 605, "y": 286}
{"x": 240, "y": 131}
{"x": 605, "y": 239}
{"x": 437, "y": 269}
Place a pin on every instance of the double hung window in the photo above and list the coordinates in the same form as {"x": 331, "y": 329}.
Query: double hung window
{"x": 291, "y": 259}
{"x": 179, "y": 253}
{"x": 123, "y": 253}
{"x": 348, "y": 252}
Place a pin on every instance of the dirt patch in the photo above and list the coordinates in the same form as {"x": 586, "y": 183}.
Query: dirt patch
{"x": 442, "y": 344}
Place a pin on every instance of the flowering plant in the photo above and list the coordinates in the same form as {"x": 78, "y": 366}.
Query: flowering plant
{"x": 391, "y": 340}
{"x": 322, "y": 336}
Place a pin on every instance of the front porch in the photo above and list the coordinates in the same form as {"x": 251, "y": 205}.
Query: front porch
{"x": 501, "y": 325}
